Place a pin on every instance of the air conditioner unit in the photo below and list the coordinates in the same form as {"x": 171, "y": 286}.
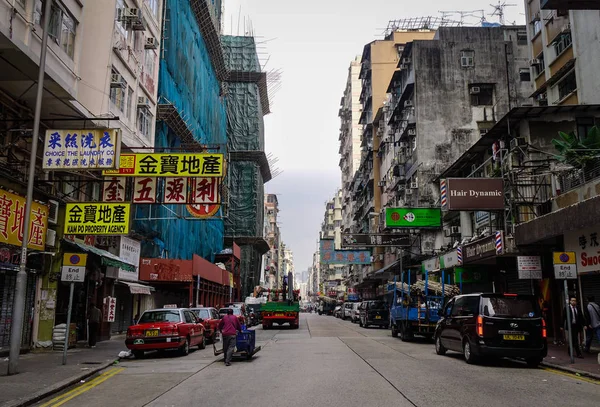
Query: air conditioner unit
{"x": 151, "y": 43}
{"x": 143, "y": 101}
{"x": 122, "y": 14}
{"x": 117, "y": 81}
{"x": 133, "y": 13}
{"x": 408, "y": 191}
{"x": 50, "y": 238}
{"x": 455, "y": 230}
{"x": 534, "y": 61}
{"x": 53, "y": 211}
{"x": 447, "y": 232}
{"x": 408, "y": 103}
{"x": 536, "y": 16}
{"x": 516, "y": 142}
{"x": 412, "y": 132}
{"x": 414, "y": 185}
{"x": 403, "y": 144}
{"x": 474, "y": 90}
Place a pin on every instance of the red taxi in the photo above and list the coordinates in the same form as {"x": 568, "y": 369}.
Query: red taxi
{"x": 236, "y": 311}
{"x": 209, "y": 317}
{"x": 166, "y": 328}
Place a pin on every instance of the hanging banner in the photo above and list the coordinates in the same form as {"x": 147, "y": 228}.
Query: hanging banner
{"x": 204, "y": 191}
{"x": 169, "y": 165}
{"x": 12, "y": 221}
{"x": 110, "y": 308}
{"x": 81, "y": 149}
{"x": 175, "y": 190}
{"x": 97, "y": 218}
{"x": 331, "y": 256}
{"x": 413, "y": 217}
{"x": 144, "y": 190}
{"x": 114, "y": 189}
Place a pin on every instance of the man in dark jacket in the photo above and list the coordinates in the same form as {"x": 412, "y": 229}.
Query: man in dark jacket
{"x": 229, "y": 327}
{"x": 577, "y": 324}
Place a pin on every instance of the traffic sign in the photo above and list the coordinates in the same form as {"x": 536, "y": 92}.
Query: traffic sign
{"x": 73, "y": 274}
{"x": 564, "y": 258}
{"x": 565, "y": 265}
{"x": 74, "y": 259}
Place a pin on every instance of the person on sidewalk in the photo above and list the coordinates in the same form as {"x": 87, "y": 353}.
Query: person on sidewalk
{"x": 593, "y": 322}
{"x": 94, "y": 319}
{"x": 577, "y": 324}
{"x": 229, "y": 327}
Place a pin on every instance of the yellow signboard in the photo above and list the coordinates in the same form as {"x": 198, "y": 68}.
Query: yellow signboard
{"x": 564, "y": 258}
{"x": 97, "y": 218}
{"x": 230, "y": 279}
{"x": 74, "y": 259}
{"x": 12, "y": 219}
{"x": 169, "y": 165}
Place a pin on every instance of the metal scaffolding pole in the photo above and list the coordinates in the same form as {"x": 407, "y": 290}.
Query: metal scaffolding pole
{"x": 21, "y": 284}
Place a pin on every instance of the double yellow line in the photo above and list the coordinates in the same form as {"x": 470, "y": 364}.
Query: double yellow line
{"x": 71, "y": 394}
{"x": 571, "y": 375}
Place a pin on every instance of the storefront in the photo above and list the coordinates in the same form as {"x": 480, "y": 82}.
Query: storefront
{"x": 171, "y": 279}
{"x": 586, "y": 245}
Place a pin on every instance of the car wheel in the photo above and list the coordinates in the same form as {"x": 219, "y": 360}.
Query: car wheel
{"x": 470, "y": 358}
{"x": 202, "y": 345}
{"x": 533, "y": 362}
{"x": 185, "y": 349}
{"x": 139, "y": 354}
{"x": 265, "y": 327}
{"x": 394, "y": 331}
{"x": 439, "y": 348}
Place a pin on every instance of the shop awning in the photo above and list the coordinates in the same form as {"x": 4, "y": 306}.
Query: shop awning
{"x": 136, "y": 288}
{"x": 108, "y": 259}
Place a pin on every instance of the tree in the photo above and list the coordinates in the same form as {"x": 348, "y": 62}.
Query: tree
{"x": 581, "y": 153}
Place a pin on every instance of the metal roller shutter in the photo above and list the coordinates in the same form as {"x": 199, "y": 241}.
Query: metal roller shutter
{"x": 8, "y": 280}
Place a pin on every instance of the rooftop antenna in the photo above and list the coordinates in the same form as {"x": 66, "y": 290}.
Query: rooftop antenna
{"x": 499, "y": 10}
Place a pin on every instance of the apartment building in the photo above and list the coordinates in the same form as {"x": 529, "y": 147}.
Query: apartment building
{"x": 273, "y": 237}
{"x": 563, "y": 51}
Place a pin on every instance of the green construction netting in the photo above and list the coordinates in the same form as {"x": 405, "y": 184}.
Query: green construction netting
{"x": 245, "y": 125}
{"x": 240, "y": 53}
{"x": 246, "y": 200}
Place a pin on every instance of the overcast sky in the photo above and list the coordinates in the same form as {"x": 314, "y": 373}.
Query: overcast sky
{"x": 312, "y": 42}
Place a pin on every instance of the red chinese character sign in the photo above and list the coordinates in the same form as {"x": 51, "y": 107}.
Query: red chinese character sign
{"x": 203, "y": 211}
{"x": 205, "y": 190}
{"x": 114, "y": 189}
{"x": 12, "y": 211}
{"x": 144, "y": 190}
{"x": 110, "y": 309}
{"x": 175, "y": 190}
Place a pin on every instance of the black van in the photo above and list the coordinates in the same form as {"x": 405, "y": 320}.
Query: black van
{"x": 496, "y": 325}
{"x": 374, "y": 312}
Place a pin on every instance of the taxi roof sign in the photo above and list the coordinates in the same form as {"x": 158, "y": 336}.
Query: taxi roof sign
{"x": 170, "y": 306}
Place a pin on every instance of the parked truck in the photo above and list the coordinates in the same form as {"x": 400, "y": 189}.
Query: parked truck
{"x": 281, "y": 309}
{"x": 415, "y": 305}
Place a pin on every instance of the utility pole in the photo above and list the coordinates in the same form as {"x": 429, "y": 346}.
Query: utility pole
{"x": 21, "y": 284}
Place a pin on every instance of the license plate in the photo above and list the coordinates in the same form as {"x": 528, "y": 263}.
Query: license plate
{"x": 378, "y": 317}
{"x": 151, "y": 332}
{"x": 514, "y": 337}
{"x": 279, "y": 315}
{"x": 138, "y": 342}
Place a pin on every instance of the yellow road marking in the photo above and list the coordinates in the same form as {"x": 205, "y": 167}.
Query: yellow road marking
{"x": 572, "y": 375}
{"x": 63, "y": 398}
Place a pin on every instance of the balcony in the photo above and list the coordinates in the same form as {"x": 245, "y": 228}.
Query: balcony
{"x": 570, "y": 4}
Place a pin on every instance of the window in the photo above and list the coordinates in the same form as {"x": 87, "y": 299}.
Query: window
{"x": 584, "y": 124}
{"x": 563, "y": 43}
{"x": 129, "y": 102}
{"x": 150, "y": 62}
{"x": 540, "y": 67}
{"x": 121, "y": 24}
{"x": 524, "y": 75}
{"x": 511, "y": 307}
{"x": 465, "y": 306}
{"x": 536, "y": 27}
{"x": 522, "y": 38}
{"x": 567, "y": 85}
{"x": 467, "y": 58}
{"x": 159, "y": 316}
{"x": 482, "y": 95}
{"x": 144, "y": 121}
{"x": 153, "y": 6}
{"x": 117, "y": 90}
{"x": 189, "y": 318}
{"x": 62, "y": 26}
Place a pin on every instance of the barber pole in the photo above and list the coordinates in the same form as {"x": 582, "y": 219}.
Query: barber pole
{"x": 499, "y": 242}
{"x": 444, "y": 193}
{"x": 459, "y": 255}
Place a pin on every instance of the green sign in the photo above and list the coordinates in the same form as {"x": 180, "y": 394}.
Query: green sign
{"x": 413, "y": 217}
{"x": 470, "y": 275}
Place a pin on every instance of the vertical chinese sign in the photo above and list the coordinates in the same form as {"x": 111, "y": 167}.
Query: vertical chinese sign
{"x": 12, "y": 219}
{"x": 81, "y": 149}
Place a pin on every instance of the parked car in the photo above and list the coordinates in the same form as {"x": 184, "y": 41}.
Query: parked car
{"x": 166, "y": 328}
{"x": 374, "y": 312}
{"x": 355, "y": 312}
{"x": 241, "y": 305}
{"x": 236, "y": 311}
{"x": 347, "y": 310}
{"x": 337, "y": 311}
{"x": 209, "y": 317}
{"x": 498, "y": 325}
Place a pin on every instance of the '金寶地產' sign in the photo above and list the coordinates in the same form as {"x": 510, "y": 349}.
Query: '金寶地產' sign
{"x": 413, "y": 217}
{"x": 97, "y": 218}
{"x": 81, "y": 149}
{"x": 460, "y": 194}
{"x": 12, "y": 221}
{"x": 169, "y": 165}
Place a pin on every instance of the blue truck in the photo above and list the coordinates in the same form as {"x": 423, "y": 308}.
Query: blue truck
{"x": 415, "y": 305}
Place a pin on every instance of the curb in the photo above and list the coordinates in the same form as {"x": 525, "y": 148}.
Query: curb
{"x": 571, "y": 370}
{"x": 57, "y": 387}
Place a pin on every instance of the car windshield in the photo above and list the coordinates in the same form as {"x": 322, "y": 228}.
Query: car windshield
{"x": 202, "y": 313}
{"x": 514, "y": 307}
{"x": 236, "y": 311}
{"x": 378, "y": 305}
{"x": 159, "y": 316}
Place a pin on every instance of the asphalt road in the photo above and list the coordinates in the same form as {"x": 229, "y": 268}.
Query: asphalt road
{"x": 328, "y": 362}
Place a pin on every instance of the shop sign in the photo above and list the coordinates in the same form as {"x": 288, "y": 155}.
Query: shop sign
{"x": 483, "y": 248}
{"x": 114, "y": 189}
{"x": 372, "y": 240}
{"x": 12, "y": 221}
{"x": 97, "y": 218}
{"x": 144, "y": 190}
{"x": 432, "y": 264}
{"x": 206, "y": 165}
{"x": 473, "y": 194}
{"x": 129, "y": 252}
{"x": 529, "y": 267}
{"x": 166, "y": 270}
{"x": 204, "y": 191}
{"x": 586, "y": 245}
{"x": 81, "y": 149}
{"x": 110, "y": 309}
{"x": 331, "y": 256}
{"x": 449, "y": 260}
{"x": 413, "y": 217}
{"x": 466, "y": 276}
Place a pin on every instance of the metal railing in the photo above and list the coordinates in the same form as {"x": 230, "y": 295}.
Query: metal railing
{"x": 576, "y": 177}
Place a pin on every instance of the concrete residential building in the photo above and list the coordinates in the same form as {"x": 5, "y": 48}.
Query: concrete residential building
{"x": 564, "y": 51}
{"x": 272, "y": 236}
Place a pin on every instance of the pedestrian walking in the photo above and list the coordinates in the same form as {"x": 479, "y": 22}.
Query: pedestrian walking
{"x": 229, "y": 327}
{"x": 593, "y": 322}
{"x": 94, "y": 319}
{"x": 577, "y": 324}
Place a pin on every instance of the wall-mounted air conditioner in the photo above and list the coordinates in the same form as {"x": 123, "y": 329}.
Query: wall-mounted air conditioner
{"x": 53, "y": 211}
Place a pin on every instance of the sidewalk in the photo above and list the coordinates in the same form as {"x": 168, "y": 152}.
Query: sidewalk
{"x": 41, "y": 374}
{"x": 558, "y": 358}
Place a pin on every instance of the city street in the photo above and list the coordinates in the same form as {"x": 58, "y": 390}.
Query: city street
{"x": 327, "y": 362}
